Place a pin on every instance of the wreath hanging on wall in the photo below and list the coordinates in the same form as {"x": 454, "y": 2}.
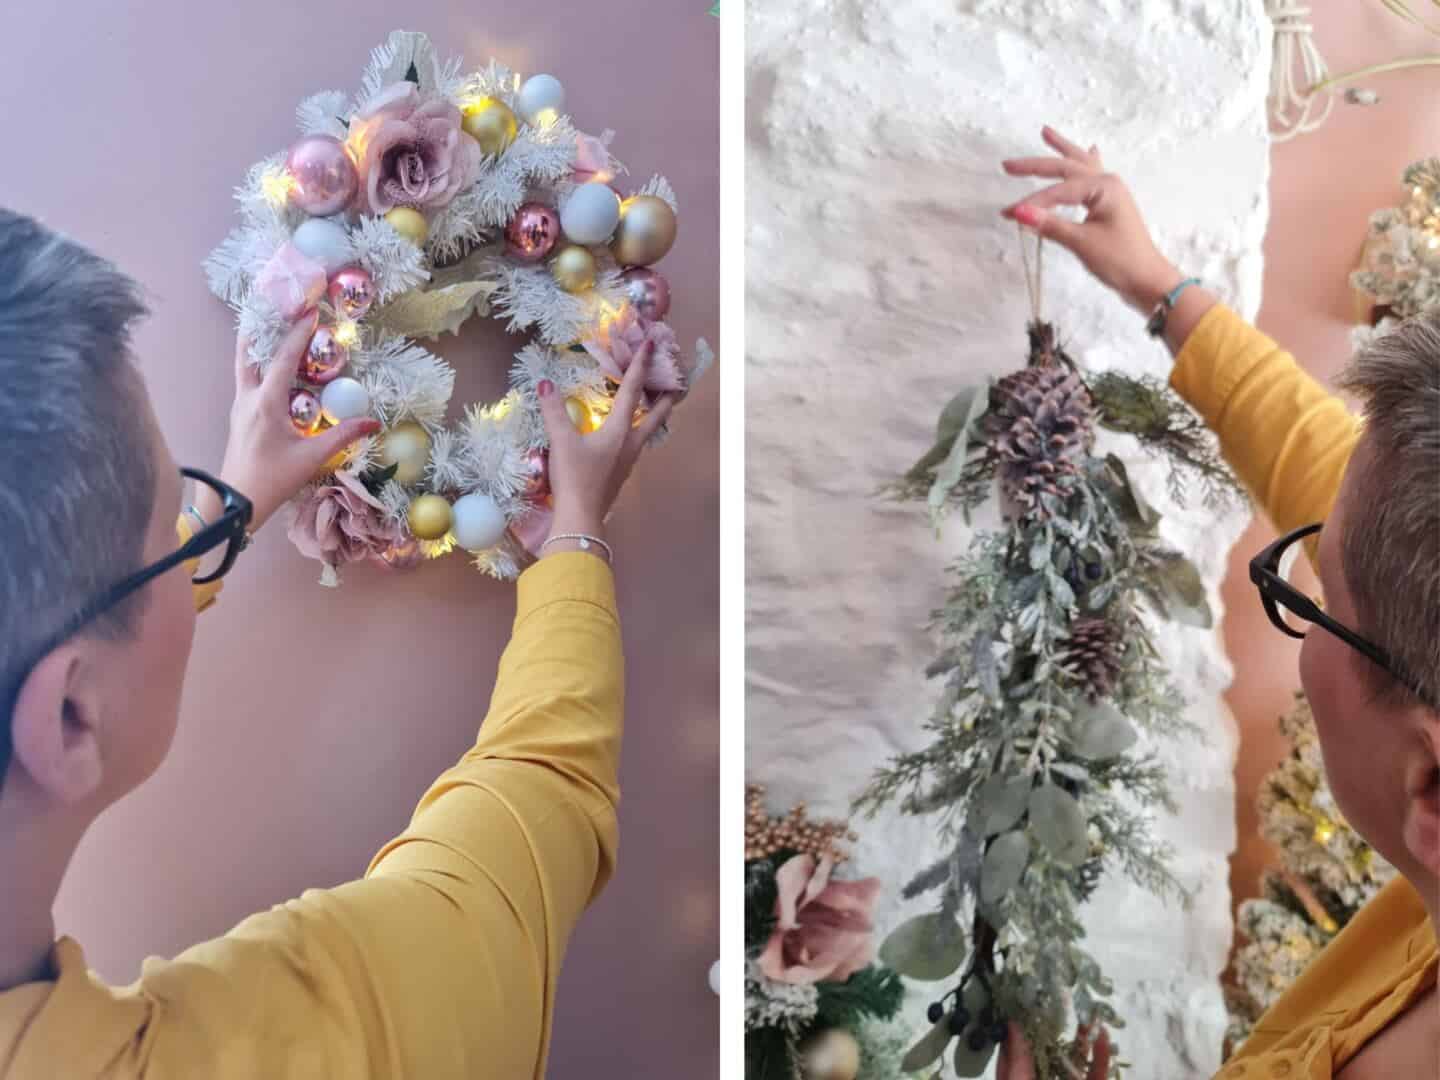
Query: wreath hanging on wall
{"x": 428, "y": 197}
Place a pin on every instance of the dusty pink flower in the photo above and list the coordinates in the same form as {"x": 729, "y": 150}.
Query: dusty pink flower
{"x": 618, "y": 341}
{"x": 592, "y": 160}
{"x": 825, "y": 927}
{"x": 341, "y": 522}
{"x": 292, "y": 281}
{"x": 409, "y": 154}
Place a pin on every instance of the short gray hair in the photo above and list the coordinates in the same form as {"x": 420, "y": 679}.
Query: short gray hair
{"x": 77, "y": 470}
{"x": 1390, "y": 553}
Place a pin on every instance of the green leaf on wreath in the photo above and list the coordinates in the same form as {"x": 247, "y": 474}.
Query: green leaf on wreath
{"x": 376, "y": 478}
{"x": 1004, "y": 866}
{"x": 928, "y": 947}
{"x": 1101, "y": 731}
{"x": 1130, "y": 504}
{"x": 930, "y": 1048}
{"x": 1059, "y": 824}
{"x": 954, "y": 419}
{"x": 970, "y": 1062}
{"x": 1175, "y": 586}
{"x": 999, "y": 803}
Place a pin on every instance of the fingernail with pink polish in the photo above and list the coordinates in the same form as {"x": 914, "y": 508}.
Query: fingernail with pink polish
{"x": 546, "y": 388}
{"x": 1027, "y": 215}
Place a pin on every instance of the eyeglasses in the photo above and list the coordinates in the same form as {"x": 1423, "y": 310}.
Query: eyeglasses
{"x": 1290, "y": 609}
{"x": 227, "y": 536}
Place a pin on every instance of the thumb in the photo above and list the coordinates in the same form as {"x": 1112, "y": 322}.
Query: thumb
{"x": 552, "y": 412}
{"x": 1050, "y": 225}
{"x": 328, "y": 443}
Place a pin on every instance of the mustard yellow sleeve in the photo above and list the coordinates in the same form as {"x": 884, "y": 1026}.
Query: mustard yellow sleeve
{"x": 1285, "y": 435}
{"x": 443, "y": 961}
{"x": 204, "y": 594}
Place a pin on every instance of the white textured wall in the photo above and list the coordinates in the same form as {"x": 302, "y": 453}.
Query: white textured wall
{"x": 880, "y": 279}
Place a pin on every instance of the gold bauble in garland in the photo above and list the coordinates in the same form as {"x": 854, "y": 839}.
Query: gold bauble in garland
{"x": 490, "y": 123}
{"x": 580, "y": 415}
{"x": 573, "y": 268}
{"x": 407, "y": 447}
{"x": 832, "y": 1054}
{"x": 410, "y": 224}
{"x": 646, "y": 231}
{"x": 429, "y": 517}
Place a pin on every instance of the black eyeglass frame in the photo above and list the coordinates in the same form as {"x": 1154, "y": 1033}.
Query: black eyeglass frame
{"x": 231, "y": 528}
{"x": 1276, "y": 592}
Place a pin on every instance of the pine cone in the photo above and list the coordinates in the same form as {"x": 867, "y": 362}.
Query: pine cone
{"x": 1093, "y": 652}
{"x": 1040, "y": 428}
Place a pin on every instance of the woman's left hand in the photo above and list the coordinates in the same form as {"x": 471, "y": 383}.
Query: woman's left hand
{"x": 266, "y": 459}
{"x": 1092, "y": 1061}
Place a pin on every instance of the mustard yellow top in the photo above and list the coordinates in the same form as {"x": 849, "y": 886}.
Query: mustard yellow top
{"x": 1289, "y": 439}
{"x": 442, "y": 961}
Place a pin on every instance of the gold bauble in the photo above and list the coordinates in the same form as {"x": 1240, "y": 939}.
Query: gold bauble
{"x": 490, "y": 123}
{"x": 832, "y": 1054}
{"x": 410, "y": 224}
{"x": 573, "y": 268}
{"x": 407, "y": 447}
{"x": 429, "y": 517}
{"x": 646, "y": 231}
{"x": 580, "y": 415}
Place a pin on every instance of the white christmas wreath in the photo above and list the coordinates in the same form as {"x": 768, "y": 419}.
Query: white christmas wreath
{"x": 430, "y": 196}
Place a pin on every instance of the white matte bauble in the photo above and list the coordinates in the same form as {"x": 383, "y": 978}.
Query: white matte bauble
{"x": 540, "y": 99}
{"x": 591, "y": 213}
{"x": 325, "y": 241}
{"x": 478, "y": 523}
{"x": 344, "y": 399}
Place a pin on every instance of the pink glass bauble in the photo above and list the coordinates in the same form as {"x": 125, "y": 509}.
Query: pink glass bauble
{"x": 324, "y": 359}
{"x": 649, "y": 293}
{"x": 532, "y": 232}
{"x": 352, "y": 291}
{"x": 537, "y": 474}
{"x": 324, "y": 176}
{"x": 304, "y": 411}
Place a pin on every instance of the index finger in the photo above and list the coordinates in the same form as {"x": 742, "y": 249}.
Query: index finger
{"x": 627, "y": 400}
{"x": 247, "y": 375}
{"x": 286, "y": 360}
{"x": 1060, "y": 144}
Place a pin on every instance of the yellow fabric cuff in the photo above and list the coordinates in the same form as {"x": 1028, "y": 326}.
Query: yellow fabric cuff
{"x": 204, "y": 594}
{"x": 566, "y": 575}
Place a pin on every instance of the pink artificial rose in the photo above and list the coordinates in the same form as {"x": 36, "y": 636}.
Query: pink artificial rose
{"x": 292, "y": 281}
{"x": 825, "y": 927}
{"x": 592, "y": 160}
{"x": 409, "y": 154}
{"x": 616, "y": 344}
{"x": 341, "y": 522}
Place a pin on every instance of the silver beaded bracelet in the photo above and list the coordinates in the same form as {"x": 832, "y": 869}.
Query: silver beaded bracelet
{"x": 586, "y": 541}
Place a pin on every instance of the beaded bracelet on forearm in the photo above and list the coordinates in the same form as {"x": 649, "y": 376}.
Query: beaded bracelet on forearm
{"x": 586, "y": 541}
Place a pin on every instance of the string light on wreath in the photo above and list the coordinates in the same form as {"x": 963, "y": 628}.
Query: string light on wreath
{"x": 430, "y": 196}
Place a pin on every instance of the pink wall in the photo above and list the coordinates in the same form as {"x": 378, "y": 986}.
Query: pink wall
{"x": 312, "y": 718}
{"x": 1323, "y": 188}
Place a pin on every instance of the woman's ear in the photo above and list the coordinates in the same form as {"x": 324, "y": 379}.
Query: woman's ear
{"x": 55, "y": 727}
{"x": 1422, "y": 795}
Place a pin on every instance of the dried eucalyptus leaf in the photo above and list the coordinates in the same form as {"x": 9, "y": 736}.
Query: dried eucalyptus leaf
{"x": 928, "y": 947}
{"x": 970, "y": 1062}
{"x": 1004, "y": 866}
{"x": 1177, "y": 580}
{"x": 958, "y": 414}
{"x": 930, "y": 1048}
{"x": 1130, "y": 504}
{"x": 1101, "y": 731}
{"x": 999, "y": 803}
{"x": 1059, "y": 824}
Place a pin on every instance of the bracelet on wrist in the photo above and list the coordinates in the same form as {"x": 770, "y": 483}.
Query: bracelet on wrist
{"x": 584, "y": 541}
{"x": 1155, "y": 325}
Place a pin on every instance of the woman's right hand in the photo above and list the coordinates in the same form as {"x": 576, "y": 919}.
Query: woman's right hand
{"x": 588, "y": 471}
{"x": 1113, "y": 241}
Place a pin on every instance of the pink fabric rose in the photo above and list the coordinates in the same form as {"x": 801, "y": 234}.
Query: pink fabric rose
{"x": 825, "y": 927}
{"x": 341, "y": 522}
{"x": 617, "y": 343}
{"x": 409, "y": 154}
{"x": 592, "y": 160}
{"x": 292, "y": 281}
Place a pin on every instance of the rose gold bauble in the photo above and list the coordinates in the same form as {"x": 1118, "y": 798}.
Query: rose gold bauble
{"x": 646, "y": 231}
{"x": 324, "y": 176}
{"x": 537, "y": 474}
{"x": 532, "y": 232}
{"x": 351, "y": 291}
{"x": 304, "y": 411}
{"x": 324, "y": 359}
{"x": 490, "y": 123}
{"x": 647, "y": 291}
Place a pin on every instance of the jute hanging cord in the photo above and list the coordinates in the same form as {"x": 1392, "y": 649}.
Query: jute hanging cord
{"x": 1045, "y": 348}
